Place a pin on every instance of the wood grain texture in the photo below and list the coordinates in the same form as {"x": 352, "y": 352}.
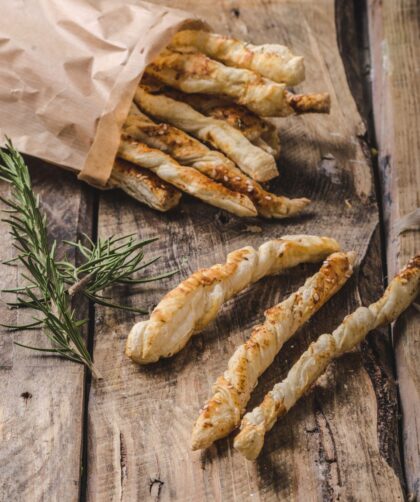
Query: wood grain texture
{"x": 335, "y": 444}
{"x": 394, "y": 37}
{"x": 41, "y": 398}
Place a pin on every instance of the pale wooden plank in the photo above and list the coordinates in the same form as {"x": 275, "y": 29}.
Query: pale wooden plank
{"x": 394, "y": 39}
{"x": 41, "y": 398}
{"x": 329, "y": 446}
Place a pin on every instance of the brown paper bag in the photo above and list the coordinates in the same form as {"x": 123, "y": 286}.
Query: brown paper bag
{"x": 68, "y": 73}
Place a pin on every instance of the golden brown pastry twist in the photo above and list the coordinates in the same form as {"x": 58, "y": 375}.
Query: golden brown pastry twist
{"x": 144, "y": 186}
{"x": 231, "y": 392}
{"x": 259, "y": 165}
{"x": 193, "y": 304}
{"x": 400, "y": 293}
{"x": 273, "y": 61}
{"x": 185, "y": 178}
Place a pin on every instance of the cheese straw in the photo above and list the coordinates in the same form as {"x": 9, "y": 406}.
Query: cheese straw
{"x": 400, "y": 293}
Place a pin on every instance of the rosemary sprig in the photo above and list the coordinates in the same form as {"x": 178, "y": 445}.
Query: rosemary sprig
{"x": 51, "y": 284}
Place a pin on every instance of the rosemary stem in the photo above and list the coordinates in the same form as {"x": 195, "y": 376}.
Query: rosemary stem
{"x": 79, "y": 285}
{"x": 52, "y": 283}
{"x": 95, "y": 372}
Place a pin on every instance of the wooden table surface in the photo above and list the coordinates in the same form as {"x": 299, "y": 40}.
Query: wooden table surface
{"x": 356, "y": 435}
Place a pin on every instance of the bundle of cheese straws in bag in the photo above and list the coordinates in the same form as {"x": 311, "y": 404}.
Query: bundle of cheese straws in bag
{"x": 199, "y": 124}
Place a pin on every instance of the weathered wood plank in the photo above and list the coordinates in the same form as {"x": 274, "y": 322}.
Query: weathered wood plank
{"x": 333, "y": 444}
{"x": 394, "y": 38}
{"x": 41, "y": 399}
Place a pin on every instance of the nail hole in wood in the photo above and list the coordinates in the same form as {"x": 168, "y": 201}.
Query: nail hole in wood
{"x": 223, "y": 218}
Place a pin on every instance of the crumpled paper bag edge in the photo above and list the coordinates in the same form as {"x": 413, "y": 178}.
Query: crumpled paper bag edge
{"x": 103, "y": 151}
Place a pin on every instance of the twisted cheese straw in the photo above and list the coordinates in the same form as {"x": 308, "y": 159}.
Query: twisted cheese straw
{"x": 273, "y": 61}
{"x": 257, "y": 130}
{"x": 400, "y": 293}
{"x": 144, "y": 186}
{"x": 258, "y": 164}
{"x": 185, "y": 178}
{"x": 192, "y": 305}
{"x": 196, "y": 73}
{"x": 231, "y": 392}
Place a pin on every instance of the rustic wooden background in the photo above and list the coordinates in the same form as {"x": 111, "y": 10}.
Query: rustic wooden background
{"x": 126, "y": 437}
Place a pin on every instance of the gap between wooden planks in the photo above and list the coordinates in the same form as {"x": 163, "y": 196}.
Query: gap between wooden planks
{"x": 394, "y": 27}
{"x": 328, "y": 447}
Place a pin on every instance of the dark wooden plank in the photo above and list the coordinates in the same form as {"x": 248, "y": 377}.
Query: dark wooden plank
{"x": 41, "y": 399}
{"x": 394, "y": 36}
{"x": 332, "y": 445}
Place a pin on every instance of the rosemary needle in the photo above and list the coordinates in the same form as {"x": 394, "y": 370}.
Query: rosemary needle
{"x": 51, "y": 284}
